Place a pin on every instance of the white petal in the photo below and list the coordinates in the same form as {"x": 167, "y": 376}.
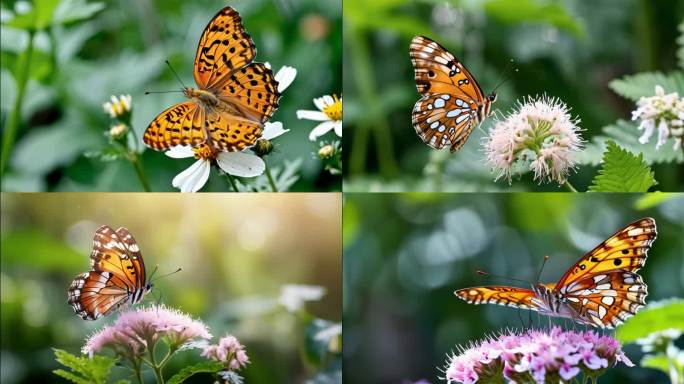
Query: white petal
{"x": 193, "y": 178}
{"x": 241, "y": 164}
{"x": 273, "y": 130}
{"x": 328, "y": 100}
{"x": 267, "y": 64}
{"x": 285, "y": 77}
{"x": 312, "y": 115}
{"x": 319, "y": 102}
{"x": 338, "y": 128}
{"x": 180, "y": 152}
{"x": 321, "y": 129}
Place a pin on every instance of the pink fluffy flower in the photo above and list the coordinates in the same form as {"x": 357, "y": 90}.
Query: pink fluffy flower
{"x": 535, "y": 356}
{"x": 541, "y": 136}
{"x": 135, "y": 330}
{"x": 229, "y": 351}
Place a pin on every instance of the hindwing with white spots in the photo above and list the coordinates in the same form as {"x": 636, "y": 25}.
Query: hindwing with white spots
{"x": 117, "y": 275}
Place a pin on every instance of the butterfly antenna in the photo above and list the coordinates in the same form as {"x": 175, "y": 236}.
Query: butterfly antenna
{"x": 546, "y": 258}
{"x": 168, "y": 274}
{"x": 487, "y": 274}
{"x": 176, "y": 74}
{"x": 156, "y": 267}
{"x": 505, "y": 75}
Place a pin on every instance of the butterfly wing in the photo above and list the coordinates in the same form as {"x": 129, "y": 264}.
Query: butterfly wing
{"x": 224, "y": 47}
{"x": 94, "y": 294}
{"x": 625, "y": 250}
{"x": 252, "y": 90}
{"x": 231, "y": 133}
{"x": 606, "y": 300}
{"x": 498, "y": 294}
{"x": 449, "y": 109}
{"x": 117, "y": 275}
{"x": 181, "y": 124}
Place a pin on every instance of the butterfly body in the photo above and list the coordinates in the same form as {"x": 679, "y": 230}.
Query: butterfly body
{"x": 234, "y": 97}
{"x": 116, "y": 277}
{"x": 452, "y": 103}
{"x": 602, "y": 289}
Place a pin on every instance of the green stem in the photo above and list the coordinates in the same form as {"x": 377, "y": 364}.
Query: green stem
{"x": 156, "y": 367}
{"x": 231, "y": 181}
{"x": 138, "y": 371}
{"x": 23, "y": 65}
{"x": 270, "y": 178}
{"x": 135, "y": 159}
{"x": 569, "y": 186}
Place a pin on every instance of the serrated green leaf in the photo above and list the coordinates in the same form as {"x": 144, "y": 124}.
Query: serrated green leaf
{"x": 643, "y": 84}
{"x": 84, "y": 370}
{"x": 622, "y": 172}
{"x": 203, "y": 367}
{"x": 627, "y": 135}
{"x": 661, "y": 316}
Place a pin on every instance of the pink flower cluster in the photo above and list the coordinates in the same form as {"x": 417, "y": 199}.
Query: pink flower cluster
{"x": 229, "y": 351}
{"x": 536, "y": 356}
{"x": 135, "y": 330}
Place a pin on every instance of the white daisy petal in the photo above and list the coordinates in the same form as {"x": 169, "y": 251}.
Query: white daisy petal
{"x": 241, "y": 164}
{"x": 267, "y": 64}
{"x": 193, "y": 178}
{"x": 312, "y": 115}
{"x": 338, "y": 128}
{"x": 285, "y": 77}
{"x": 328, "y": 100}
{"x": 319, "y": 102}
{"x": 321, "y": 129}
{"x": 273, "y": 130}
{"x": 180, "y": 152}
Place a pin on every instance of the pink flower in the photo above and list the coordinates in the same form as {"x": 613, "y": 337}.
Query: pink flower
{"x": 135, "y": 330}
{"x": 535, "y": 356}
{"x": 229, "y": 351}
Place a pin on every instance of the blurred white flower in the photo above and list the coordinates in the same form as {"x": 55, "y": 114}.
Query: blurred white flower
{"x": 241, "y": 164}
{"x": 664, "y": 112}
{"x": 659, "y": 340}
{"x": 329, "y": 113}
{"x": 118, "y": 106}
{"x": 293, "y": 296}
{"x": 540, "y": 136}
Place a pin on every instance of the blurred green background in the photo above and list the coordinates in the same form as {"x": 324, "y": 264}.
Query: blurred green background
{"x": 405, "y": 254}
{"x": 570, "y": 49}
{"x": 78, "y": 65}
{"x": 236, "y": 252}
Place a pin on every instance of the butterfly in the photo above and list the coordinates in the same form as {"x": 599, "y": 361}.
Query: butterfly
{"x": 234, "y": 98}
{"x": 602, "y": 289}
{"x": 452, "y": 102}
{"x": 117, "y": 275}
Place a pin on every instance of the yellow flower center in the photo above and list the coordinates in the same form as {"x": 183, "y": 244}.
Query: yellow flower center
{"x": 204, "y": 151}
{"x": 334, "y": 110}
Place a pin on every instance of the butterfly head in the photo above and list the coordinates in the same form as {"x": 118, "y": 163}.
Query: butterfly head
{"x": 491, "y": 97}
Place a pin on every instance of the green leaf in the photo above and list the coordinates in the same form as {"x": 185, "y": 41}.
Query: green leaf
{"x": 521, "y": 11}
{"x": 622, "y": 172}
{"x": 654, "y": 199}
{"x": 70, "y": 11}
{"x": 84, "y": 370}
{"x": 657, "y": 316}
{"x": 643, "y": 84}
{"x": 203, "y": 367}
{"x": 658, "y": 362}
{"x": 627, "y": 135}
{"x": 39, "y": 17}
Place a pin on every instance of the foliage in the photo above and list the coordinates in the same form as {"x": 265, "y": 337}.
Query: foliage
{"x": 642, "y": 84}
{"x": 622, "y": 172}
{"x": 84, "y": 369}
{"x": 654, "y": 318}
{"x": 203, "y": 367}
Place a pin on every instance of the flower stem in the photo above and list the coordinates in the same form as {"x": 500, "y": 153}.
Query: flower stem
{"x": 135, "y": 159}
{"x": 231, "y": 181}
{"x": 270, "y": 178}
{"x": 156, "y": 367}
{"x": 569, "y": 186}
{"x": 23, "y": 64}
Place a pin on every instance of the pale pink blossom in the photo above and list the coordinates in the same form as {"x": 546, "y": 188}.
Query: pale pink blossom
{"x": 664, "y": 112}
{"x": 229, "y": 351}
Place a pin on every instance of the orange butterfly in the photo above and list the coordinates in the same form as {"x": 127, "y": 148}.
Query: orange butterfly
{"x": 236, "y": 96}
{"x": 116, "y": 277}
{"x": 602, "y": 289}
{"x": 452, "y": 104}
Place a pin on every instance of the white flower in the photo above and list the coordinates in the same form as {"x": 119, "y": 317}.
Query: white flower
{"x": 285, "y": 76}
{"x": 664, "y": 112}
{"x": 241, "y": 164}
{"x": 329, "y": 113}
{"x": 118, "y": 106}
{"x": 540, "y": 136}
{"x": 293, "y": 296}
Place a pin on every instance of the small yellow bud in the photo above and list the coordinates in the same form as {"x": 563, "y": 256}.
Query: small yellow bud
{"x": 327, "y": 151}
{"x": 118, "y": 131}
